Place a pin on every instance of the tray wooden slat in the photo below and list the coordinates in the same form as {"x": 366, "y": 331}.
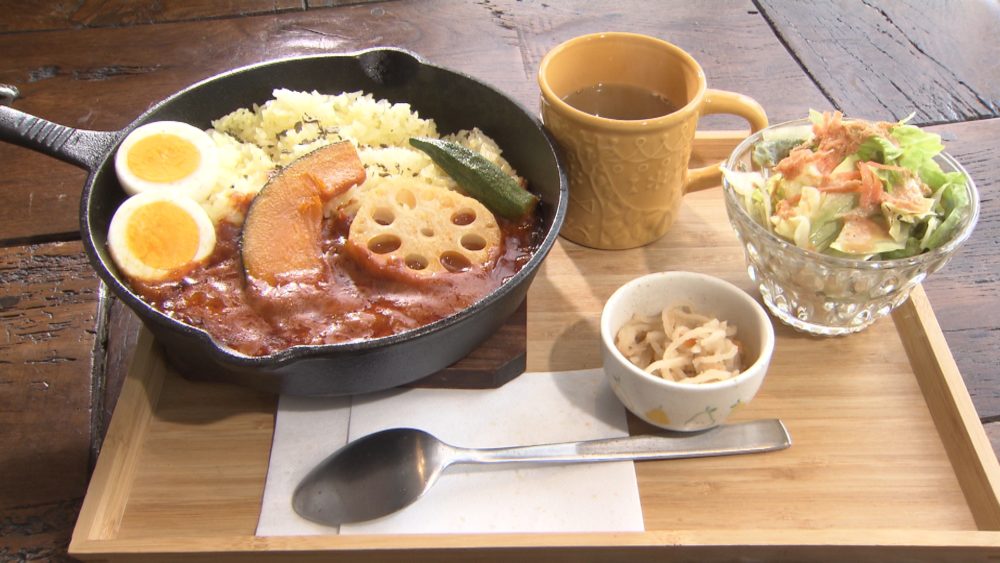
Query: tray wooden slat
{"x": 968, "y": 447}
{"x": 888, "y": 461}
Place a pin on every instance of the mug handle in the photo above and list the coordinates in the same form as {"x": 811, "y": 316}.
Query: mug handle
{"x": 721, "y": 101}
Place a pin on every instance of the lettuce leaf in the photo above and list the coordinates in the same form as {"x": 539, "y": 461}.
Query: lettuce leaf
{"x": 750, "y": 186}
{"x": 916, "y": 151}
{"x": 865, "y": 237}
{"x": 826, "y": 221}
{"x": 946, "y": 229}
{"x": 878, "y": 149}
{"x": 912, "y": 248}
{"x": 768, "y": 153}
{"x": 816, "y": 221}
{"x": 929, "y": 228}
{"x": 775, "y": 144}
{"x": 954, "y": 196}
{"x": 816, "y": 117}
{"x": 918, "y": 148}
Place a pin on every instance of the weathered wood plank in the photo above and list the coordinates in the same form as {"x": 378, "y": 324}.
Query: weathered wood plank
{"x": 47, "y": 304}
{"x": 100, "y": 85}
{"x": 74, "y": 14}
{"x": 993, "y": 433}
{"x": 733, "y": 44}
{"x": 318, "y": 4}
{"x": 966, "y": 293}
{"x": 937, "y": 59}
{"x": 122, "y": 334}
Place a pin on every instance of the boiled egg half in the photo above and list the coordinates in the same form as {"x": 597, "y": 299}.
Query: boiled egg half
{"x": 160, "y": 235}
{"x": 167, "y": 155}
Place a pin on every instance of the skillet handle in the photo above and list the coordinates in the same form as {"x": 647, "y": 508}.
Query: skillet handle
{"x": 81, "y": 147}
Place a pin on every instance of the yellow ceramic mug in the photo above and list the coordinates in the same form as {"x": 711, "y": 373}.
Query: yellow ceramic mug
{"x": 627, "y": 176}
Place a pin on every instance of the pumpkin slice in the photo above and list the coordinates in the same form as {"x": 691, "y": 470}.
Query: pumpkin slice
{"x": 281, "y": 235}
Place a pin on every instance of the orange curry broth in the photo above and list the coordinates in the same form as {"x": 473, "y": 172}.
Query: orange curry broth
{"x": 348, "y": 303}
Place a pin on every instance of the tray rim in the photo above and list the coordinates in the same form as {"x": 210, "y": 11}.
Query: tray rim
{"x": 968, "y": 448}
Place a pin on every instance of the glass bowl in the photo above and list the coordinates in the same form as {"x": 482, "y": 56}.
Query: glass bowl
{"x": 828, "y": 295}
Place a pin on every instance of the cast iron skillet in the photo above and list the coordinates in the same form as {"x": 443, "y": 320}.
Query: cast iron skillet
{"x": 454, "y": 100}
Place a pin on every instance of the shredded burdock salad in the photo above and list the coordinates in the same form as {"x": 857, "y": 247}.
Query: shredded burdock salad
{"x": 681, "y": 345}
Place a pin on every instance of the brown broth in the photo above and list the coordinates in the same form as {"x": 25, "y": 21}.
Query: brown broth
{"x": 620, "y": 101}
{"x": 348, "y": 303}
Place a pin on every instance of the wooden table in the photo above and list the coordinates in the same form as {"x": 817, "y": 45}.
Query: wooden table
{"x": 97, "y": 65}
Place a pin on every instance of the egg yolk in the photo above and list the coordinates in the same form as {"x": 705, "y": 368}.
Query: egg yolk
{"x": 162, "y": 235}
{"x": 163, "y": 158}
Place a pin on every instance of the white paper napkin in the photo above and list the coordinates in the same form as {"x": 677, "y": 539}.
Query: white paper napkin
{"x": 535, "y": 408}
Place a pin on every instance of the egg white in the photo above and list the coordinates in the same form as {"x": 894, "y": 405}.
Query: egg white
{"x": 197, "y": 185}
{"x": 131, "y": 264}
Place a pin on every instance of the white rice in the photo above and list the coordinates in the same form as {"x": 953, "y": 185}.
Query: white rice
{"x": 255, "y": 142}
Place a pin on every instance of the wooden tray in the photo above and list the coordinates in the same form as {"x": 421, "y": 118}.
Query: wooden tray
{"x": 889, "y": 459}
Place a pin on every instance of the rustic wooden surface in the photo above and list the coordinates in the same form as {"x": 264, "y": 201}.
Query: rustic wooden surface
{"x": 932, "y": 59}
{"x": 97, "y": 65}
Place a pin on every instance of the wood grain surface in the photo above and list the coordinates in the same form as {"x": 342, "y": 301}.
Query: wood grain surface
{"x": 98, "y": 65}
{"x": 76, "y": 14}
{"x": 966, "y": 293}
{"x": 886, "y": 60}
{"x": 48, "y": 299}
{"x": 98, "y": 85}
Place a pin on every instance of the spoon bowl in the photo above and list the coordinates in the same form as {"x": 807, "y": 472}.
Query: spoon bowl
{"x": 386, "y": 471}
{"x": 351, "y": 484}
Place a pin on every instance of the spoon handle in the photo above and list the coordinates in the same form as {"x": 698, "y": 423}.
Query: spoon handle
{"x": 747, "y": 437}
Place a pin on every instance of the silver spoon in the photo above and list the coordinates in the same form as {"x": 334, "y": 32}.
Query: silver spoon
{"x": 383, "y": 472}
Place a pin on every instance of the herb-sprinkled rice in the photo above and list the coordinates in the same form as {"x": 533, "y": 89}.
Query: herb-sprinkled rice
{"x": 255, "y": 142}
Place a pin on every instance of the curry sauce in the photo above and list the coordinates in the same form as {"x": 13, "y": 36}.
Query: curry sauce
{"x": 347, "y": 303}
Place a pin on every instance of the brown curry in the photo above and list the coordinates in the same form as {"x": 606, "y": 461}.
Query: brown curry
{"x": 347, "y": 303}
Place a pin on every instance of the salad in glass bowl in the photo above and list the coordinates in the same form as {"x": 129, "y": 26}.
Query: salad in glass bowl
{"x": 840, "y": 218}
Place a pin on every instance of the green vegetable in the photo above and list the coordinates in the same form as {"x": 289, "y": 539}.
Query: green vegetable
{"x": 878, "y": 149}
{"x": 912, "y": 248}
{"x": 946, "y": 229}
{"x": 954, "y": 196}
{"x": 826, "y": 223}
{"x": 918, "y": 149}
{"x": 857, "y": 240}
{"x": 750, "y": 186}
{"x": 928, "y": 229}
{"x": 839, "y": 211}
{"x": 479, "y": 177}
{"x": 769, "y": 153}
{"x": 847, "y": 165}
{"x": 776, "y": 144}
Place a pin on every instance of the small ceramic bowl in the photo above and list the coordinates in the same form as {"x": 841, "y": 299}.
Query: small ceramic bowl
{"x": 686, "y": 406}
